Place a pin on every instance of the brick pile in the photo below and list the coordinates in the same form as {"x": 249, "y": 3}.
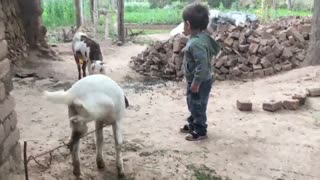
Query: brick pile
{"x": 247, "y": 51}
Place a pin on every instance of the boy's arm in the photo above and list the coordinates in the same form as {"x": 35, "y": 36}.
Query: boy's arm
{"x": 200, "y": 56}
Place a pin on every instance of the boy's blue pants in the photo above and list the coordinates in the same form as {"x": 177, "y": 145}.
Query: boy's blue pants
{"x": 197, "y": 105}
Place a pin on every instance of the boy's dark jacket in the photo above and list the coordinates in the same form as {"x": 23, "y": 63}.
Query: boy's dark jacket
{"x": 198, "y": 53}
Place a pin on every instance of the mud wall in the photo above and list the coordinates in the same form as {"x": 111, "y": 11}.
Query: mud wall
{"x": 10, "y": 148}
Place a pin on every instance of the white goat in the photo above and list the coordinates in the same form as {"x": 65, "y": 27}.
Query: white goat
{"x": 93, "y": 98}
{"x": 85, "y": 51}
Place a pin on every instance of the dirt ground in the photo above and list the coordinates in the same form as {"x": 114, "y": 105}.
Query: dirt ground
{"x": 257, "y": 145}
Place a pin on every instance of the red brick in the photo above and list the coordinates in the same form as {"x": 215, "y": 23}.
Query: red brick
{"x": 283, "y": 36}
{"x": 306, "y": 28}
{"x": 228, "y": 41}
{"x": 268, "y": 71}
{"x": 236, "y": 71}
{"x": 277, "y": 49}
{"x": 221, "y": 61}
{"x": 286, "y": 67}
{"x": 244, "y": 105}
{"x": 297, "y": 36}
{"x": 244, "y": 60}
{"x": 271, "y": 42}
{"x": 300, "y": 56}
{"x": 252, "y": 39}
{"x": 271, "y": 57}
{"x": 254, "y": 59}
{"x": 258, "y": 73}
{"x": 235, "y": 35}
{"x": 224, "y": 70}
{"x": 272, "y": 106}
{"x": 286, "y": 54}
{"x": 243, "y": 67}
{"x": 253, "y": 48}
{"x": 263, "y": 42}
{"x": 291, "y": 104}
{"x": 277, "y": 67}
{"x": 301, "y": 98}
{"x": 257, "y": 66}
{"x": 243, "y": 48}
{"x": 313, "y": 92}
{"x": 265, "y": 63}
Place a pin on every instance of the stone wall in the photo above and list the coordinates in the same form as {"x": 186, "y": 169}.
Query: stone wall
{"x": 10, "y": 148}
{"x": 14, "y": 34}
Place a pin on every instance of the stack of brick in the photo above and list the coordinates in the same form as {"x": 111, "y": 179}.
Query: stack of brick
{"x": 10, "y": 149}
{"x": 247, "y": 51}
{"x": 161, "y": 59}
{"x": 250, "y": 53}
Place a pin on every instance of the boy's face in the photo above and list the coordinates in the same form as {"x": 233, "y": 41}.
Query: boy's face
{"x": 186, "y": 28}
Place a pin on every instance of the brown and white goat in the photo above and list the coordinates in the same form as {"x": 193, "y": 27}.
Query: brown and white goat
{"x": 85, "y": 51}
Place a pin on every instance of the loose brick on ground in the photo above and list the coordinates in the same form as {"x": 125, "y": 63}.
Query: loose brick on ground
{"x": 313, "y": 92}
{"x": 301, "y": 98}
{"x": 291, "y": 104}
{"x": 244, "y": 105}
{"x": 272, "y": 106}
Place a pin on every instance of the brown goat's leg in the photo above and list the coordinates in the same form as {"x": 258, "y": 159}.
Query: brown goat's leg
{"x": 99, "y": 144}
{"x": 78, "y": 66}
{"x": 118, "y": 142}
{"x": 84, "y": 66}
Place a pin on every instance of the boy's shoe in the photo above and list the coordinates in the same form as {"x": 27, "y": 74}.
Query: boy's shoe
{"x": 194, "y": 136}
{"x": 185, "y": 129}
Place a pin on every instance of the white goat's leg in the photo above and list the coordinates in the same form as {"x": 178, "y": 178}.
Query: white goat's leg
{"x": 99, "y": 144}
{"x": 75, "y": 140}
{"x": 117, "y": 133}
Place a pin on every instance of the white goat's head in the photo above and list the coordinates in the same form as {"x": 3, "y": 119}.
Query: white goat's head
{"x": 97, "y": 67}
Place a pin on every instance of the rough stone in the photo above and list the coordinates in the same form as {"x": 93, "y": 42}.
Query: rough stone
{"x": 3, "y": 49}
{"x": 244, "y": 105}
{"x": 4, "y": 68}
{"x": 243, "y": 48}
{"x": 221, "y": 61}
{"x": 9, "y": 143}
{"x": 236, "y": 71}
{"x": 6, "y": 107}
{"x": 228, "y": 41}
{"x": 2, "y": 92}
{"x": 283, "y": 36}
{"x": 305, "y": 28}
{"x": 272, "y": 106}
{"x": 291, "y": 104}
{"x": 2, "y": 133}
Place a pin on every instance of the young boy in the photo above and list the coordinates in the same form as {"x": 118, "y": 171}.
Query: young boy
{"x": 198, "y": 53}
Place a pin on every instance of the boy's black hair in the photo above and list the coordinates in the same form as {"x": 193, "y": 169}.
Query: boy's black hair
{"x": 197, "y": 15}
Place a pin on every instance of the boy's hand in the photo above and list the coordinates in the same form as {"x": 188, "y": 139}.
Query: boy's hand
{"x": 194, "y": 88}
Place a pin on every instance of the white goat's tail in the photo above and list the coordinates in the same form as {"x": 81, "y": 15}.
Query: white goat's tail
{"x": 59, "y": 97}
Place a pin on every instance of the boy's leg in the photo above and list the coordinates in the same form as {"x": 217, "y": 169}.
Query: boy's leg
{"x": 188, "y": 127}
{"x": 199, "y": 103}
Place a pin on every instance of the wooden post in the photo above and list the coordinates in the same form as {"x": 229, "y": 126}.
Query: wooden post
{"x": 78, "y": 13}
{"x": 120, "y": 23}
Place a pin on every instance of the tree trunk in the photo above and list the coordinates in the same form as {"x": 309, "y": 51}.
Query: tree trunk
{"x": 77, "y": 8}
{"x": 31, "y": 12}
{"x": 83, "y": 16}
{"x": 290, "y": 4}
{"x": 314, "y": 46}
{"x": 96, "y": 16}
{"x": 106, "y": 26}
{"x": 92, "y": 4}
{"x": 120, "y": 21}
